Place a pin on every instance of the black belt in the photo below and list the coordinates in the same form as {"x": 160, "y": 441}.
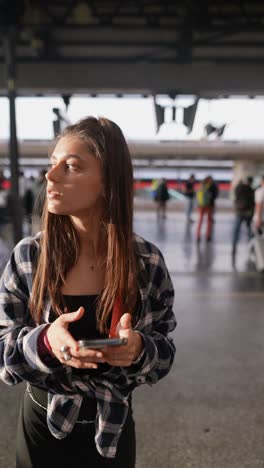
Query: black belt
{"x": 88, "y": 408}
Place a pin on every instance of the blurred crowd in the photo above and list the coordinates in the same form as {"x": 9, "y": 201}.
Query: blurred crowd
{"x": 30, "y": 195}
{"x": 200, "y": 197}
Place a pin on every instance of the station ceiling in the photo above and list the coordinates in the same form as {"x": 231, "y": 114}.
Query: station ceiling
{"x": 203, "y": 47}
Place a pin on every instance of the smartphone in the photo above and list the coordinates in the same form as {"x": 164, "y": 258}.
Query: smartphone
{"x": 101, "y": 342}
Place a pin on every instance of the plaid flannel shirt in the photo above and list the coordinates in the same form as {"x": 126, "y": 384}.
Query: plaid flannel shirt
{"x": 19, "y": 359}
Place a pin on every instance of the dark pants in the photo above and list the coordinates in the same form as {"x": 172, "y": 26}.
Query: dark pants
{"x": 37, "y": 448}
{"x": 161, "y": 208}
{"x": 189, "y": 208}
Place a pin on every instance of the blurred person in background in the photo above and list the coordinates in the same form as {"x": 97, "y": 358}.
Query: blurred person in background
{"x": 259, "y": 207}
{"x": 38, "y": 191}
{"x": 161, "y": 198}
{"x": 28, "y": 200}
{"x": 189, "y": 192}
{"x": 4, "y": 198}
{"x": 154, "y": 186}
{"x": 205, "y": 208}
{"x": 22, "y": 185}
{"x": 2, "y": 179}
{"x": 244, "y": 203}
{"x": 213, "y": 187}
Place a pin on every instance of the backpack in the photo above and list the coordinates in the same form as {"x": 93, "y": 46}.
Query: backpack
{"x": 162, "y": 193}
{"x": 244, "y": 198}
{"x": 204, "y": 197}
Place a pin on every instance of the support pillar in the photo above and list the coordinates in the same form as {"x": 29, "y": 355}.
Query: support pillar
{"x": 242, "y": 170}
{"x": 16, "y": 208}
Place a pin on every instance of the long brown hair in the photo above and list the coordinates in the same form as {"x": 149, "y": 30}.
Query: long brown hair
{"x": 60, "y": 244}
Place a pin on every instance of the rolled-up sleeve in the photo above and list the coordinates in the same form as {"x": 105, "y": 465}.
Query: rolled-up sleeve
{"x": 154, "y": 327}
{"x": 19, "y": 359}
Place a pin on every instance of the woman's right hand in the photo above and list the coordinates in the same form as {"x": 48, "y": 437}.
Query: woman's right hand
{"x": 59, "y": 336}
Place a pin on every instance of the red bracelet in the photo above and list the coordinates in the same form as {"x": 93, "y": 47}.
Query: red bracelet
{"x": 44, "y": 347}
{"x": 46, "y": 341}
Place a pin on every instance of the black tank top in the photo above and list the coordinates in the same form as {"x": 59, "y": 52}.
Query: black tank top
{"x": 86, "y": 327}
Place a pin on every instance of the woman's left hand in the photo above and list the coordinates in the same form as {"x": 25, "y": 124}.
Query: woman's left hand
{"x": 124, "y": 355}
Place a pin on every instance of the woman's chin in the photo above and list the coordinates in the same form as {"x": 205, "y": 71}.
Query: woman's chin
{"x": 56, "y": 210}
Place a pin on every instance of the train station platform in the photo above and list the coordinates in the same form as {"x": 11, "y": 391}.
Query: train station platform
{"x": 208, "y": 412}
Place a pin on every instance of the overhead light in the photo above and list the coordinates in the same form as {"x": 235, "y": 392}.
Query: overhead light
{"x": 220, "y": 130}
{"x": 210, "y": 129}
{"x": 189, "y": 114}
{"x": 160, "y": 115}
{"x": 66, "y": 99}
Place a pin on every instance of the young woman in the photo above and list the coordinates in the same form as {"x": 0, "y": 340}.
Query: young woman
{"x": 85, "y": 275}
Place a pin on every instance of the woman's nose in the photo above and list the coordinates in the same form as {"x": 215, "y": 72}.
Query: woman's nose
{"x": 53, "y": 173}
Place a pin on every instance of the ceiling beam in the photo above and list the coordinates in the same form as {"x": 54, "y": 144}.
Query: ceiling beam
{"x": 207, "y": 80}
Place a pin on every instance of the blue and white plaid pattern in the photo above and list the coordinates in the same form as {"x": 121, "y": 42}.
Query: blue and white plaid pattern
{"x": 19, "y": 359}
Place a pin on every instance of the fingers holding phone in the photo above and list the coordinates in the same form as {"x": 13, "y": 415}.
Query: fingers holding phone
{"x": 96, "y": 349}
{"x": 66, "y": 348}
{"x": 123, "y": 356}
{"x": 87, "y": 358}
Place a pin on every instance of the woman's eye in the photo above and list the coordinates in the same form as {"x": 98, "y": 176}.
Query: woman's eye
{"x": 71, "y": 167}
{"x": 68, "y": 166}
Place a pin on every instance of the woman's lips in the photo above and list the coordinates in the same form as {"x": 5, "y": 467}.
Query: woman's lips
{"x": 52, "y": 193}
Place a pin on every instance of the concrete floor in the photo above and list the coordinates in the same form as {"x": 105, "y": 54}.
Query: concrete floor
{"x": 209, "y": 411}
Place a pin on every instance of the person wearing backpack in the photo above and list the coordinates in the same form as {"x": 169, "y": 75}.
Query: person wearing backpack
{"x": 244, "y": 209}
{"x": 205, "y": 207}
{"x": 259, "y": 205}
{"x": 213, "y": 188}
{"x": 161, "y": 197}
{"x": 190, "y": 197}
